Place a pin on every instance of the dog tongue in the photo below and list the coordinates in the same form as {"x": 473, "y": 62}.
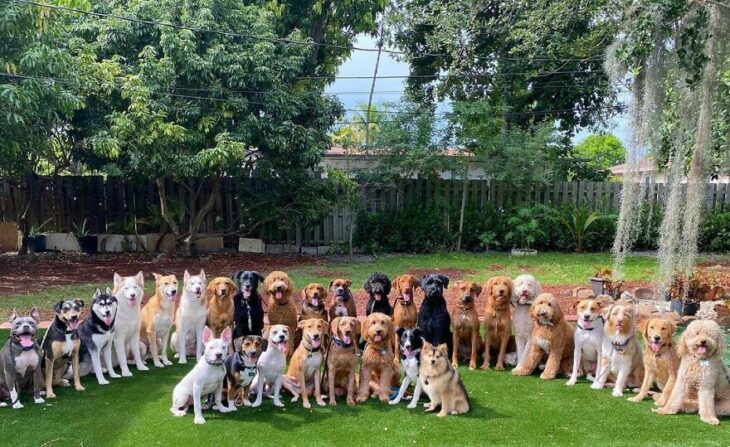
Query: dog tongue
{"x": 654, "y": 346}
{"x": 378, "y": 337}
{"x": 315, "y": 343}
{"x": 108, "y": 321}
{"x": 281, "y": 346}
{"x": 246, "y": 293}
{"x": 702, "y": 350}
{"x": 346, "y": 340}
{"x": 406, "y": 297}
{"x": 278, "y": 295}
{"x": 26, "y": 340}
{"x": 315, "y": 302}
{"x": 73, "y": 324}
{"x": 378, "y": 296}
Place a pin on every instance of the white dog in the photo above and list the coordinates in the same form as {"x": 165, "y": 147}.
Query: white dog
{"x": 620, "y": 351}
{"x": 205, "y": 378}
{"x": 129, "y": 291}
{"x": 525, "y": 289}
{"x": 588, "y": 338}
{"x": 191, "y": 315}
{"x": 270, "y": 369}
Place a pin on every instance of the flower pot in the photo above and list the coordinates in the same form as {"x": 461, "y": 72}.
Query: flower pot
{"x": 684, "y": 308}
{"x": 523, "y": 252}
{"x": 600, "y": 288}
{"x": 122, "y": 242}
{"x": 40, "y": 242}
{"x": 160, "y": 242}
{"x": 61, "y": 242}
{"x": 32, "y": 243}
{"x": 88, "y": 244}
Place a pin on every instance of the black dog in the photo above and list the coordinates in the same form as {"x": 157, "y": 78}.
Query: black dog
{"x": 248, "y": 310}
{"x": 378, "y": 287}
{"x": 433, "y": 316}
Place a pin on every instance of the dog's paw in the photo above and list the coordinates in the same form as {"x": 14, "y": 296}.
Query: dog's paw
{"x": 182, "y": 361}
{"x": 39, "y": 400}
{"x": 166, "y": 362}
{"x": 519, "y": 372}
{"x": 278, "y": 403}
{"x": 80, "y": 388}
{"x": 394, "y": 401}
{"x": 306, "y": 404}
{"x": 333, "y": 403}
{"x": 590, "y": 377}
{"x": 103, "y": 382}
{"x": 256, "y": 403}
{"x": 472, "y": 366}
{"x": 17, "y": 405}
{"x": 485, "y": 367}
{"x": 3, "y": 404}
{"x": 596, "y": 386}
{"x": 350, "y": 402}
{"x": 499, "y": 367}
{"x": 571, "y": 382}
{"x": 50, "y": 395}
{"x": 441, "y": 414}
{"x": 617, "y": 393}
{"x": 321, "y": 403}
{"x": 635, "y": 399}
{"x": 114, "y": 375}
{"x": 412, "y": 405}
{"x": 454, "y": 365}
{"x": 159, "y": 364}
{"x": 712, "y": 420}
{"x": 126, "y": 374}
{"x": 545, "y": 376}
{"x": 295, "y": 398}
{"x": 246, "y": 403}
{"x": 143, "y": 367}
{"x": 199, "y": 420}
{"x": 225, "y": 409}
{"x": 178, "y": 413}
{"x": 64, "y": 383}
{"x": 662, "y": 410}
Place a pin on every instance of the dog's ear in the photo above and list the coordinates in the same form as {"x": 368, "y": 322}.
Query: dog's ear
{"x": 348, "y": 283}
{"x": 304, "y": 295}
{"x": 265, "y": 332}
{"x": 478, "y": 289}
{"x": 335, "y": 327}
{"x": 558, "y": 315}
{"x": 573, "y": 306}
{"x": 358, "y": 330}
{"x": 672, "y": 327}
{"x": 443, "y": 348}
{"x": 58, "y": 306}
{"x": 367, "y": 287}
{"x": 34, "y": 314}
{"x": 422, "y": 282}
{"x": 233, "y": 286}
{"x": 108, "y": 291}
{"x": 97, "y": 292}
{"x": 186, "y": 276}
{"x": 301, "y": 324}
{"x": 418, "y": 333}
{"x": 235, "y": 275}
{"x": 259, "y": 276}
{"x": 139, "y": 277}
{"x": 332, "y": 283}
{"x": 682, "y": 345}
{"x": 388, "y": 285}
{"x": 117, "y": 279}
{"x": 226, "y": 335}
{"x": 156, "y": 276}
{"x": 399, "y": 332}
{"x": 415, "y": 282}
{"x": 79, "y": 303}
{"x": 326, "y": 327}
{"x": 426, "y": 344}
{"x": 488, "y": 287}
{"x": 13, "y": 315}
{"x": 237, "y": 344}
{"x": 364, "y": 327}
{"x": 508, "y": 281}
{"x": 202, "y": 274}
{"x": 207, "y": 334}
{"x": 644, "y": 328}
{"x": 444, "y": 280}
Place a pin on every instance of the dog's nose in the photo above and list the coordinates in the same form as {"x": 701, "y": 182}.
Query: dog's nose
{"x": 315, "y": 337}
{"x": 348, "y": 333}
{"x": 74, "y": 318}
{"x": 219, "y": 355}
{"x": 132, "y": 295}
{"x": 378, "y": 331}
{"x": 223, "y": 291}
{"x": 108, "y": 313}
{"x": 281, "y": 338}
{"x": 465, "y": 298}
{"x": 703, "y": 342}
{"x": 173, "y": 292}
{"x": 340, "y": 290}
{"x": 586, "y": 317}
{"x": 657, "y": 338}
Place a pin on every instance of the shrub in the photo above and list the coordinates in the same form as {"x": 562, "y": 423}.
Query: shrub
{"x": 715, "y": 233}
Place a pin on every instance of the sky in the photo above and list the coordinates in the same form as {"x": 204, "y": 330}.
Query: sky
{"x": 362, "y": 63}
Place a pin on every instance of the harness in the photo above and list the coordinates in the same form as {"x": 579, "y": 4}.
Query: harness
{"x": 405, "y": 302}
{"x": 341, "y": 344}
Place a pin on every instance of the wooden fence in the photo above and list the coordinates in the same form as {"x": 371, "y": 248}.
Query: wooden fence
{"x": 112, "y": 201}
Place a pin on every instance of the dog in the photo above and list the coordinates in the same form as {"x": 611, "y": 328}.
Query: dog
{"x": 20, "y": 360}
{"x": 157, "y": 317}
{"x": 248, "y": 308}
{"x": 410, "y": 343}
{"x": 61, "y": 343}
{"x": 313, "y": 297}
{"x": 405, "y": 313}
{"x": 206, "y": 377}
{"x": 221, "y": 312}
{"x": 96, "y": 333}
{"x": 551, "y": 336}
{"x": 378, "y": 288}
{"x": 270, "y": 368}
{"x": 620, "y": 351}
{"x": 497, "y": 321}
{"x": 433, "y": 316}
{"x": 342, "y": 359}
{"x": 190, "y": 317}
{"x": 282, "y": 310}
{"x": 129, "y": 292}
{"x": 660, "y": 359}
{"x": 241, "y": 369}
{"x": 524, "y": 291}
{"x": 303, "y": 376}
{"x": 465, "y": 321}
{"x": 588, "y": 338}
{"x": 343, "y": 304}
{"x": 441, "y": 382}
{"x": 377, "y": 357}
{"x": 703, "y": 380}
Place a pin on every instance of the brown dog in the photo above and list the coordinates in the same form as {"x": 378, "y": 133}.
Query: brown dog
{"x": 465, "y": 322}
{"x": 313, "y": 297}
{"x": 156, "y": 318}
{"x": 342, "y": 303}
{"x": 220, "y": 304}
{"x": 377, "y": 358}
{"x": 497, "y": 320}
{"x": 405, "y": 313}
{"x": 551, "y": 336}
{"x": 303, "y": 375}
{"x": 342, "y": 359}
{"x": 282, "y": 310}
{"x": 660, "y": 359}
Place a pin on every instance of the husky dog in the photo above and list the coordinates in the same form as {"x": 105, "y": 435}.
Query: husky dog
{"x": 129, "y": 291}
{"x": 441, "y": 382}
{"x": 96, "y": 333}
{"x": 270, "y": 368}
{"x": 191, "y": 316}
{"x": 61, "y": 343}
{"x": 410, "y": 342}
{"x": 20, "y": 360}
{"x": 206, "y": 377}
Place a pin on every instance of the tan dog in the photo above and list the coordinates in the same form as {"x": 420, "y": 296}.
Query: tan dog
{"x": 551, "y": 336}
{"x": 660, "y": 359}
{"x": 701, "y": 373}
{"x": 441, "y": 382}
{"x": 313, "y": 297}
{"x": 405, "y": 313}
{"x": 342, "y": 359}
{"x": 342, "y": 303}
{"x": 220, "y": 293}
{"x": 497, "y": 320}
{"x": 377, "y": 358}
{"x": 465, "y": 323}
{"x": 157, "y": 317}
{"x": 303, "y": 375}
{"x": 282, "y": 310}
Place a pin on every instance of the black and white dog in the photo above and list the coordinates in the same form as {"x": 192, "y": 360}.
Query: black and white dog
{"x": 410, "y": 342}
{"x": 20, "y": 360}
{"x": 433, "y": 316}
{"x": 248, "y": 308}
{"x": 97, "y": 333}
{"x": 378, "y": 287}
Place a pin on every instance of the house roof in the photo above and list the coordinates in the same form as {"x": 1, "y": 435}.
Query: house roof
{"x": 645, "y": 165}
{"x": 337, "y": 151}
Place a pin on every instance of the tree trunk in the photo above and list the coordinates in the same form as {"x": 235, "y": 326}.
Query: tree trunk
{"x": 464, "y": 195}
{"x": 197, "y": 220}
{"x": 165, "y": 210}
{"x": 28, "y": 186}
{"x": 316, "y": 33}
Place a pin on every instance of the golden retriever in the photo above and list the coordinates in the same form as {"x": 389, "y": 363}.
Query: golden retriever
{"x": 220, "y": 304}
{"x": 465, "y": 323}
{"x": 497, "y": 320}
{"x": 660, "y": 359}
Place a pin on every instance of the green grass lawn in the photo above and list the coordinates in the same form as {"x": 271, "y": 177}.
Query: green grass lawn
{"x": 506, "y": 410}
{"x": 549, "y": 268}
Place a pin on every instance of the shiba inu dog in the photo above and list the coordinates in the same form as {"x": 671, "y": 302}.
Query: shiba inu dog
{"x": 96, "y": 333}
{"x": 61, "y": 343}
{"x": 20, "y": 360}
{"x": 442, "y": 382}
{"x": 129, "y": 292}
{"x": 156, "y": 318}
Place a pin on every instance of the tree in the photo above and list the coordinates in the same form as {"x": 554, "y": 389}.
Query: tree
{"x": 595, "y": 155}
{"x": 354, "y": 133}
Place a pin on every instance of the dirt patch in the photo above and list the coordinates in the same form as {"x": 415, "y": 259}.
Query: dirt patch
{"x": 495, "y": 267}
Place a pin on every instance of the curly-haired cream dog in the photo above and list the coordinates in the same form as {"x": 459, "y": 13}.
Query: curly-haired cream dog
{"x": 465, "y": 322}
{"x": 377, "y": 357}
{"x": 701, "y": 373}
{"x": 660, "y": 359}
{"x": 551, "y": 336}
{"x": 221, "y": 310}
{"x": 497, "y": 319}
{"x": 405, "y": 313}
{"x": 524, "y": 291}
{"x": 282, "y": 310}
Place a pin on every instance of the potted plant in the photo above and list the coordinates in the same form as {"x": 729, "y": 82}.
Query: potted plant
{"x": 602, "y": 283}
{"x": 36, "y": 239}
{"x": 525, "y": 228}
{"x": 87, "y": 242}
{"x": 687, "y": 293}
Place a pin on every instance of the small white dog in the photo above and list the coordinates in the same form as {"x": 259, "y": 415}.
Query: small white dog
{"x": 588, "y": 338}
{"x": 205, "y": 378}
{"x": 191, "y": 315}
{"x": 129, "y": 292}
{"x": 270, "y": 369}
{"x": 525, "y": 289}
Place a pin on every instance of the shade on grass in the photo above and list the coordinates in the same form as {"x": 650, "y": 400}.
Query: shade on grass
{"x": 506, "y": 410}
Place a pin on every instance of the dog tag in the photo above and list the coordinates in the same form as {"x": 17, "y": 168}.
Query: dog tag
{"x": 704, "y": 363}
